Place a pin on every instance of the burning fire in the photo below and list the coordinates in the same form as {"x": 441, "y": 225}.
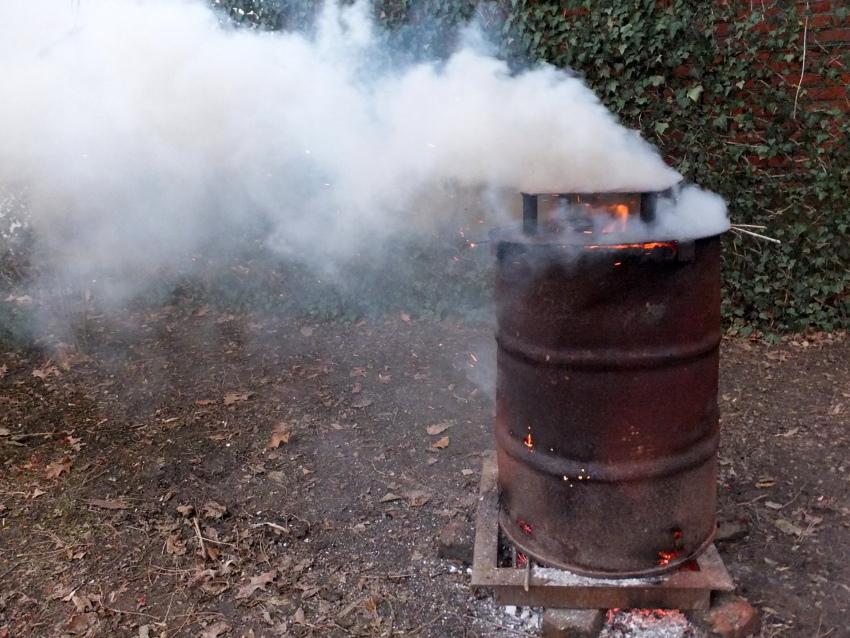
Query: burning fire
{"x": 646, "y": 247}
{"x": 528, "y": 441}
{"x": 620, "y": 213}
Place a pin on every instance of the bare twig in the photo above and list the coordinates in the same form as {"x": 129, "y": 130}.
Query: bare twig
{"x": 794, "y": 498}
{"x": 749, "y": 226}
{"x": 279, "y": 528}
{"x": 200, "y": 538}
{"x": 749, "y": 232}
{"x": 10, "y": 570}
{"x": 755, "y": 500}
{"x": 802, "y": 66}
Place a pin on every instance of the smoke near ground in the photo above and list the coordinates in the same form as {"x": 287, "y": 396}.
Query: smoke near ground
{"x": 142, "y": 131}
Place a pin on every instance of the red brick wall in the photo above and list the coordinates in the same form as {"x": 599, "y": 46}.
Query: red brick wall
{"x": 827, "y": 36}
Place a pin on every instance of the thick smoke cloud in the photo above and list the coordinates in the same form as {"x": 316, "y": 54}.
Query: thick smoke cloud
{"x": 140, "y": 129}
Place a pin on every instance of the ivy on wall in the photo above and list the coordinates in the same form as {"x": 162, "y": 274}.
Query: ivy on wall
{"x": 719, "y": 88}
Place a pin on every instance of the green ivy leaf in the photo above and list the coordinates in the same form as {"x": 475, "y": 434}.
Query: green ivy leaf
{"x": 695, "y": 92}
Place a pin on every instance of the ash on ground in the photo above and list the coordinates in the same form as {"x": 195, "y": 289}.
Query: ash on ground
{"x": 649, "y": 623}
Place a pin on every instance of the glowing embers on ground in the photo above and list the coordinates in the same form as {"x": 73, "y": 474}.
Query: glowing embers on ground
{"x": 668, "y": 623}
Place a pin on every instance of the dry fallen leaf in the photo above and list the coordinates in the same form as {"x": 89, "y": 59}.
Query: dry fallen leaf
{"x": 68, "y": 357}
{"x": 235, "y": 397}
{"x": 405, "y": 317}
{"x": 280, "y": 434}
{"x": 3, "y": 370}
{"x": 174, "y": 546}
{"x": 255, "y": 583}
{"x": 75, "y": 443}
{"x": 788, "y": 527}
{"x": 441, "y": 443}
{"x": 467, "y": 472}
{"x": 79, "y": 623}
{"x": 214, "y": 510}
{"x": 203, "y": 402}
{"x": 55, "y": 469}
{"x": 37, "y": 492}
{"x": 45, "y": 371}
{"x": 185, "y": 510}
{"x": 389, "y": 496}
{"x": 215, "y": 630}
{"x": 417, "y": 498}
{"x": 4, "y": 432}
{"x": 83, "y": 603}
{"x": 108, "y": 503}
{"x": 765, "y": 481}
{"x": 371, "y": 604}
{"x": 361, "y": 402}
{"x": 298, "y": 616}
{"x": 384, "y": 378}
{"x": 437, "y": 428}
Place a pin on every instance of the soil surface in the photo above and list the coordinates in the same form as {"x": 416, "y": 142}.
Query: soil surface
{"x": 185, "y": 472}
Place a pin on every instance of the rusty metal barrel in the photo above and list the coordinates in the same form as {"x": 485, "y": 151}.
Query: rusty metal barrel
{"x": 607, "y": 418}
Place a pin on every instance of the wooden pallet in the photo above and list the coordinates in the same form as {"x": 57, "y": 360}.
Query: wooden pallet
{"x": 538, "y": 586}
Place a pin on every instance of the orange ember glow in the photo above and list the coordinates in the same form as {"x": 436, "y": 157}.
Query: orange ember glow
{"x": 652, "y": 245}
{"x": 525, "y": 527}
{"x": 528, "y": 441}
{"x": 665, "y": 558}
{"x": 677, "y": 535}
{"x": 620, "y": 213}
{"x": 521, "y": 559}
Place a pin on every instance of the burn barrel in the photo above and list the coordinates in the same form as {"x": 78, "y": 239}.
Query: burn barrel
{"x": 607, "y": 418}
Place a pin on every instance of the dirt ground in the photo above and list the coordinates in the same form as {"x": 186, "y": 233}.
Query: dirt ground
{"x": 186, "y": 472}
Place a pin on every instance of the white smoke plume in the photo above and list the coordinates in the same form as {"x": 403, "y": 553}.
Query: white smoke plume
{"x": 139, "y": 128}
